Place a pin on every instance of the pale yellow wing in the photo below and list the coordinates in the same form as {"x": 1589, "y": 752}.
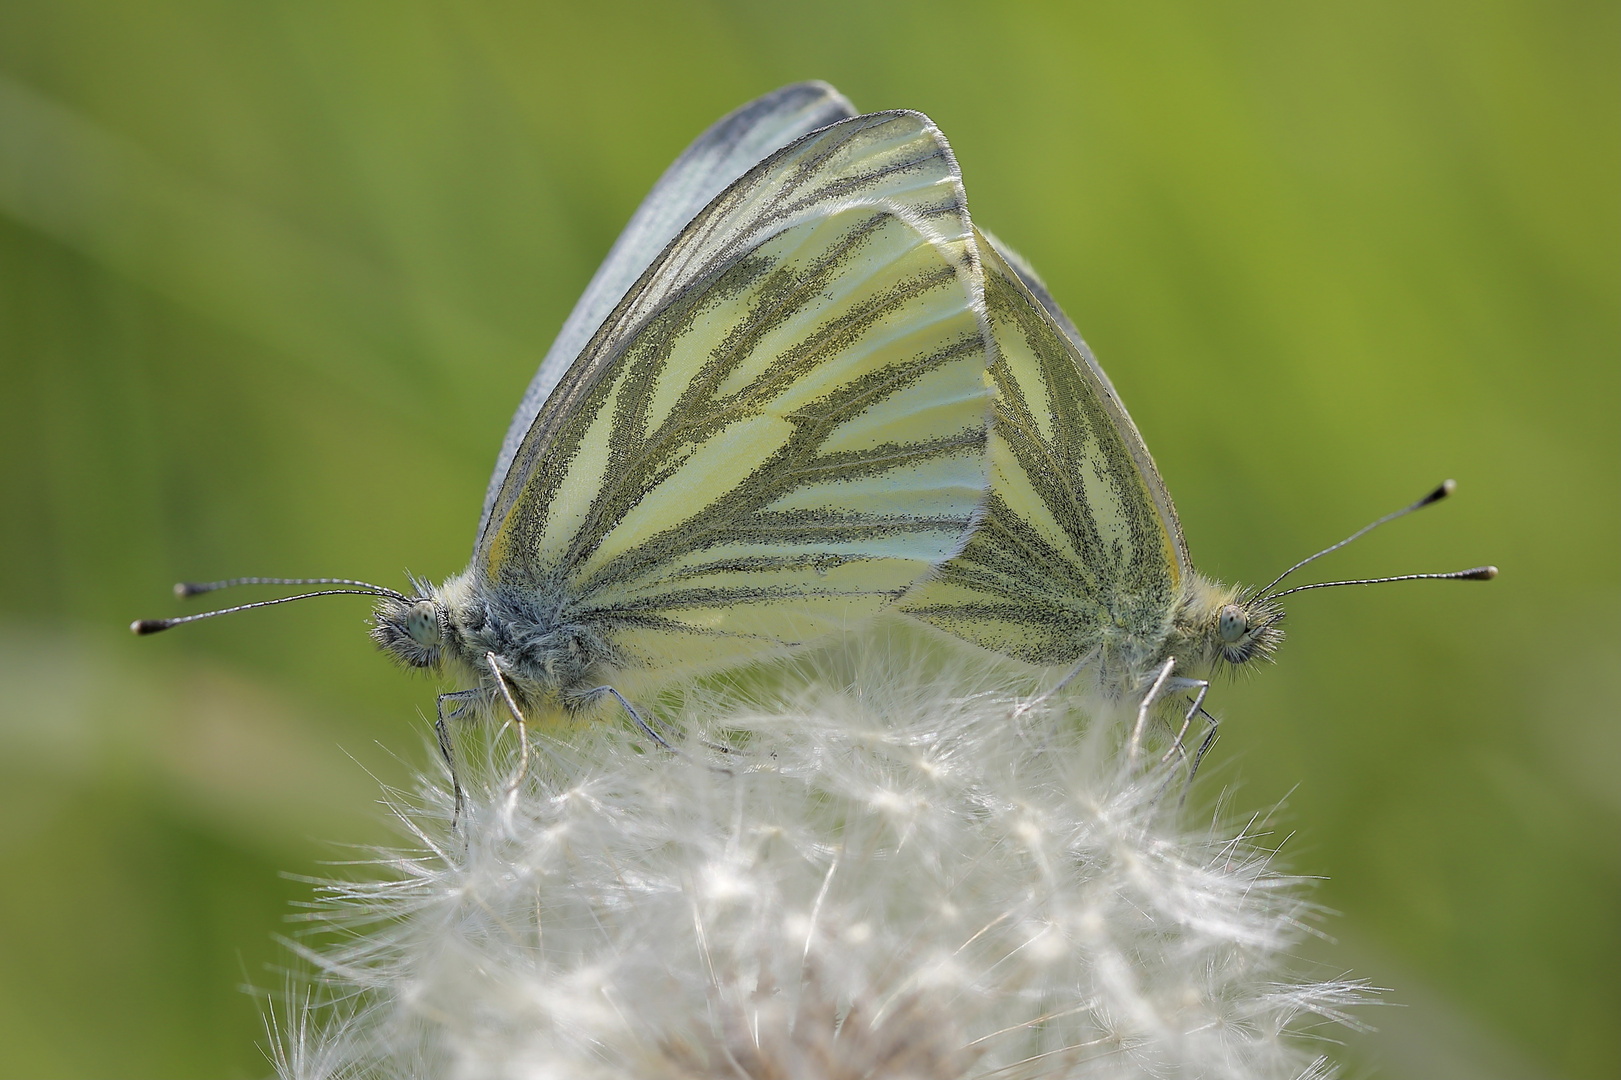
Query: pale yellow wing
{"x": 782, "y": 426}
{"x": 1079, "y": 546}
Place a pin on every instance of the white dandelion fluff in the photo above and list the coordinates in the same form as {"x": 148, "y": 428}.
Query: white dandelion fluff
{"x": 878, "y": 872}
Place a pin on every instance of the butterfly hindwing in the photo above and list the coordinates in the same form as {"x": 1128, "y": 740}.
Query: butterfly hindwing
{"x": 1129, "y": 434}
{"x": 1074, "y": 547}
{"x": 781, "y": 427}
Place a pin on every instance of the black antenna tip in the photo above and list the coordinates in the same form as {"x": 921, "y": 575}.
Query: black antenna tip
{"x": 184, "y": 589}
{"x": 1479, "y": 573}
{"x": 1447, "y": 488}
{"x": 149, "y": 626}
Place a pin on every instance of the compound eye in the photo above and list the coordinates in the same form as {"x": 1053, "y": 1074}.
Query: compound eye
{"x": 1231, "y": 624}
{"x": 422, "y": 623}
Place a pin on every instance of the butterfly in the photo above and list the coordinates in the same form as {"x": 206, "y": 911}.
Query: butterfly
{"x": 1080, "y": 559}
{"x": 764, "y": 421}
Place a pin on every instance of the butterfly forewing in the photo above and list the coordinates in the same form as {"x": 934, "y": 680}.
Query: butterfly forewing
{"x": 1074, "y": 548}
{"x": 732, "y": 145}
{"x": 781, "y": 428}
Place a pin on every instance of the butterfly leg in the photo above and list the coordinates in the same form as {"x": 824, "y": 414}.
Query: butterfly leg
{"x": 1079, "y": 667}
{"x": 447, "y": 749}
{"x": 512, "y": 706}
{"x": 1209, "y": 740}
{"x": 1202, "y": 687}
{"x": 1198, "y": 756}
{"x": 1149, "y": 698}
{"x": 634, "y": 715}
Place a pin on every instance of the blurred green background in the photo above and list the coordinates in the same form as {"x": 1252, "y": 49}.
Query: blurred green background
{"x": 273, "y": 277}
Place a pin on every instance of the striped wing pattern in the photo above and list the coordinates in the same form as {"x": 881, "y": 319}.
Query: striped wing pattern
{"x": 733, "y": 144}
{"x": 1074, "y": 551}
{"x": 782, "y": 425}
{"x": 1110, "y": 398}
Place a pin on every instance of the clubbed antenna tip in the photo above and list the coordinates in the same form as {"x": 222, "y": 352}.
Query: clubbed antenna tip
{"x": 1447, "y": 488}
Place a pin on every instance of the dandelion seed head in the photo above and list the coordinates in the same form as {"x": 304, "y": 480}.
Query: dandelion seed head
{"x": 872, "y": 870}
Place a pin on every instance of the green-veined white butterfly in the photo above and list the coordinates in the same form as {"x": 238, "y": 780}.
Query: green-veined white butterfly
{"x": 1080, "y": 559}
{"x": 758, "y": 425}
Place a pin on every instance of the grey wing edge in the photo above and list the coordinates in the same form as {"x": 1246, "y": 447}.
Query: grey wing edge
{"x": 729, "y": 148}
{"x": 1128, "y": 429}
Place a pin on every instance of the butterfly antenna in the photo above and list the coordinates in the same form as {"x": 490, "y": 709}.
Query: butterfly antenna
{"x": 197, "y": 588}
{"x": 1478, "y": 573}
{"x": 152, "y": 626}
{"x": 1447, "y": 488}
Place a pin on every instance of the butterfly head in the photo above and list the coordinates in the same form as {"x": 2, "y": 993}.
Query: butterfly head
{"x": 1223, "y": 624}
{"x": 1246, "y": 628}
{"x": 412, "y": 629}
